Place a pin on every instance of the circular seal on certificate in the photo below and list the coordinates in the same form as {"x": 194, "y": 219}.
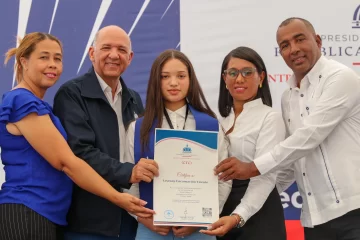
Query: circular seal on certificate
{"x": 168, "y": 214}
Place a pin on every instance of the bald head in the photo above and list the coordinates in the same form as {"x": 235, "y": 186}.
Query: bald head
{"x": 111, "y": 54}
{"x": 111, "y": 30}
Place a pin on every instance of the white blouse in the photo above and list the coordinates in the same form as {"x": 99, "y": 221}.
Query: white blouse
{"x": 178, "y": 120}
{"x": 256, "y": 131}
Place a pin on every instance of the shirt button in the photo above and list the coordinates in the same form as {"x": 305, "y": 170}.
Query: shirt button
{"x": 337, "y": 201}
{"x": 307, "y": 108}
{"x": 320, "y": 76}
{"x": 289, "y": 120}
{"x": 290, "y": 89}
{"x": 309, "y": 193}
{"x": 303, "y": 174}
{"x": 301, "y": 115}
{"x": 301, "y": 95}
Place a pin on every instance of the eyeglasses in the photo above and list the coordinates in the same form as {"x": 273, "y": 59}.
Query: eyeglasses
{"x": 233, "y": 73}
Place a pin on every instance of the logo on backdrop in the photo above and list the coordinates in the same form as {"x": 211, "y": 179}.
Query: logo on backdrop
{"x": 356, "y": 18}
{"x": 291, "y": 202}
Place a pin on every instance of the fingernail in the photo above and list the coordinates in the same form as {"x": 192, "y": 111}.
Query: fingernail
{"x": 209, "y": 227}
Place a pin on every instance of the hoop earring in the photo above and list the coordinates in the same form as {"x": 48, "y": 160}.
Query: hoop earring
{"x": 260, "y": 85}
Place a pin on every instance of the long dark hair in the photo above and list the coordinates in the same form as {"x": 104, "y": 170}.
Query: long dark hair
{"x": 154, "y": 108}
{"x": 225, "y": 99}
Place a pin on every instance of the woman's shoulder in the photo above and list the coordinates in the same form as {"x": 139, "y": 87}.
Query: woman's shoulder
{"x": 19, "y": 96}
{"x": 18, "y": 103}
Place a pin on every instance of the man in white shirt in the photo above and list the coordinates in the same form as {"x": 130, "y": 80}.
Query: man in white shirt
{"x": 322, "y": 114}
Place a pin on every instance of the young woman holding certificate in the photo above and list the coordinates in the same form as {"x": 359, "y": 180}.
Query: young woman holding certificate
{"x": 174, "y": 101}
{"x": 253, "y": 210}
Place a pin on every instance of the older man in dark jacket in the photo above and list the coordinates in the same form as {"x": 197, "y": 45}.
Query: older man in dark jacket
{"x": 95, "y": 110}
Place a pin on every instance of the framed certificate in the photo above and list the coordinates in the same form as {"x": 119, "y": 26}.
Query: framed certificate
{"x": 186, "y": 191}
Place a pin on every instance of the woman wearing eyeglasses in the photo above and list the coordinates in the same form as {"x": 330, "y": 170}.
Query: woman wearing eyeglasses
{"x": 253, "y": 210}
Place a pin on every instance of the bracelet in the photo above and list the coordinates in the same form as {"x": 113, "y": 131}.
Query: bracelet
{"x": 238, "y": 219}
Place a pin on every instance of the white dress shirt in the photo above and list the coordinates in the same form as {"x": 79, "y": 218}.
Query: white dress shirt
{"x": 178, "y": 120}
{"x": 116, "y": 105}
{"x": 256, "y": 131}
{"x": 325, "y": 145}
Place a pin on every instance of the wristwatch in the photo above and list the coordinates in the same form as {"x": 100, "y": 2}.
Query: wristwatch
{"x": 241, "y": 221}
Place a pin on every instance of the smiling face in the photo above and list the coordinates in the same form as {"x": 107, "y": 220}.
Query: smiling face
{"x": 242, "y": 89}
{"x": 111, "y": 53}
{"x": 44, "y": 65}
{"x": 299, "y": 47}
{"x": 175, "y": 83}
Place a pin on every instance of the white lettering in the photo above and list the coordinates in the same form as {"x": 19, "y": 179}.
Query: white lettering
{"x": 294, "y": 201}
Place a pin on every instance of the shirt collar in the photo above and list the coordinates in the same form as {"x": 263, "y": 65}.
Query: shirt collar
{"x": 253, "y": 103}
{"x": 181, "y": 111}
{"x": 313, "y": 75}
{"x": 315, "y": 72}
{"x": 227, "y": 122}
{"x": 248, "y": 105}
{"x": 105, "y": 87}
{"x": 292, "y": 81}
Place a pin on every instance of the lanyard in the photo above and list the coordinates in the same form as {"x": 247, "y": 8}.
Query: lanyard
{"x": 168, "y": 118}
